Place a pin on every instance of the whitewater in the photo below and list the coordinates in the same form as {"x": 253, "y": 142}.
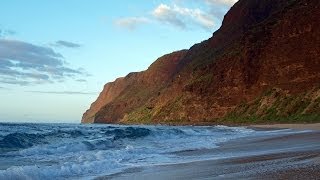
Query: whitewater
{"x": 73, "y": 151}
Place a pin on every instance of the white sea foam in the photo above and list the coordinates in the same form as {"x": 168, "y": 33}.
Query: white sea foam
{"x": 78, "y": 151}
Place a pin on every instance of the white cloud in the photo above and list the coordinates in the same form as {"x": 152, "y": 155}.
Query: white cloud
{"x": 131, "y": 23}
{"x": 182, "y": 17}
{"x": 168, "y": 15}
{"x": 222, "y": 2}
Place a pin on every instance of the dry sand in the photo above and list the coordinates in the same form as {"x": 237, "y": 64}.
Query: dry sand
{"x": 286, "y": 156}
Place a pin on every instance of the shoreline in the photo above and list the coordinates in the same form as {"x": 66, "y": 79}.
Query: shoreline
{"x": 312, "y": 126}
{"x": 285, "y": 156}
{"x": 294, "y": 126}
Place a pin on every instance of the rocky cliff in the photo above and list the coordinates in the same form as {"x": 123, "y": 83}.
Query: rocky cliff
{"x": 262, "y": 65}
{"x": 130, "y": 92}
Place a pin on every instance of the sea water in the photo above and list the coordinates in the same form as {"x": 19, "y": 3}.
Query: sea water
{"x": 73, "y": 151}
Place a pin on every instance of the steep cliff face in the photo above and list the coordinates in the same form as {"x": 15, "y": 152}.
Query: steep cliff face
{"x": 261, "y": 45}
{"x": 109, "y": 93}
{"x": 127, "y": 93}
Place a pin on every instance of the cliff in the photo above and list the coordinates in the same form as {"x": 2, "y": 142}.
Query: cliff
{"x": 262, "y": 65}
{"x": 130, "y": 92}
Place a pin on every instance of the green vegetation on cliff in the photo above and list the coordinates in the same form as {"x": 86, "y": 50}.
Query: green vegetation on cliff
{"x": 275, "y": 106}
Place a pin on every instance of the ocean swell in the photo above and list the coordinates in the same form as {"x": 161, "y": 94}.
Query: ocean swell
{"x": 129, "y": 132}
{"x": 21, "y": 140}
{"x": 62, "y": 151}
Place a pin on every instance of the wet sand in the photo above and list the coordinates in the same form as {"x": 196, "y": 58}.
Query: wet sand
{"x": 291, "y": 156}
{"x": 315, "y": 126}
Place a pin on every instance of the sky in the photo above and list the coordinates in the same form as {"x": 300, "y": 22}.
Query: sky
{"x": 55, "y": 56}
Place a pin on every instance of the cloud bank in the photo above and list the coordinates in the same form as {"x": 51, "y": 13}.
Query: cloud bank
{"x": 221, "y": 2}
{"x": 181, "y": 17}
{"x": 24, "y": 63}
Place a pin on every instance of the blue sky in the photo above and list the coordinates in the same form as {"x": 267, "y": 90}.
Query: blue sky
{"x": 55, "y": 56}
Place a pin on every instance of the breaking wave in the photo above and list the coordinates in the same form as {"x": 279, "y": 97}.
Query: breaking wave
{"x": 62, "y": 151}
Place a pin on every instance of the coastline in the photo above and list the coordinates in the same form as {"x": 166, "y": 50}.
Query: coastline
{"x": 312, "y": 126}
{"x": 286, "y": 156}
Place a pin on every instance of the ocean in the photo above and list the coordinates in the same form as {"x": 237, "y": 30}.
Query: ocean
{"x": 75, "y": 151}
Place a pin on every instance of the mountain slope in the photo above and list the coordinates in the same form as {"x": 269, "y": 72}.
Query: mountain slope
{"x": 125, "y": 94}
{"x": 262, "y": 46}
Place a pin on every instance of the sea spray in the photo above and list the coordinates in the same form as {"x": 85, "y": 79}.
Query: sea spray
{"x": 62, "y": 151}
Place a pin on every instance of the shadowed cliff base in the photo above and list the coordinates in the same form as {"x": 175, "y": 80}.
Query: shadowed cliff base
{"x": 261, "y": 66}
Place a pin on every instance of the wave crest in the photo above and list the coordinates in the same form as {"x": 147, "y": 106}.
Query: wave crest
{"x": 21, "y": 140}
{"x": 129, "y": 132}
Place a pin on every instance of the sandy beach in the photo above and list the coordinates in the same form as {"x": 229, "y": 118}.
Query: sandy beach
{"x": 286, "y": 156}
{"x": 315, "y": 126}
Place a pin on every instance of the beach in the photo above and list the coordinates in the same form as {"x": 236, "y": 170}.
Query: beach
{"x": 315, "y": 126}
{"x": 72, "y": 151}
{"x": 284, "y": 156}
